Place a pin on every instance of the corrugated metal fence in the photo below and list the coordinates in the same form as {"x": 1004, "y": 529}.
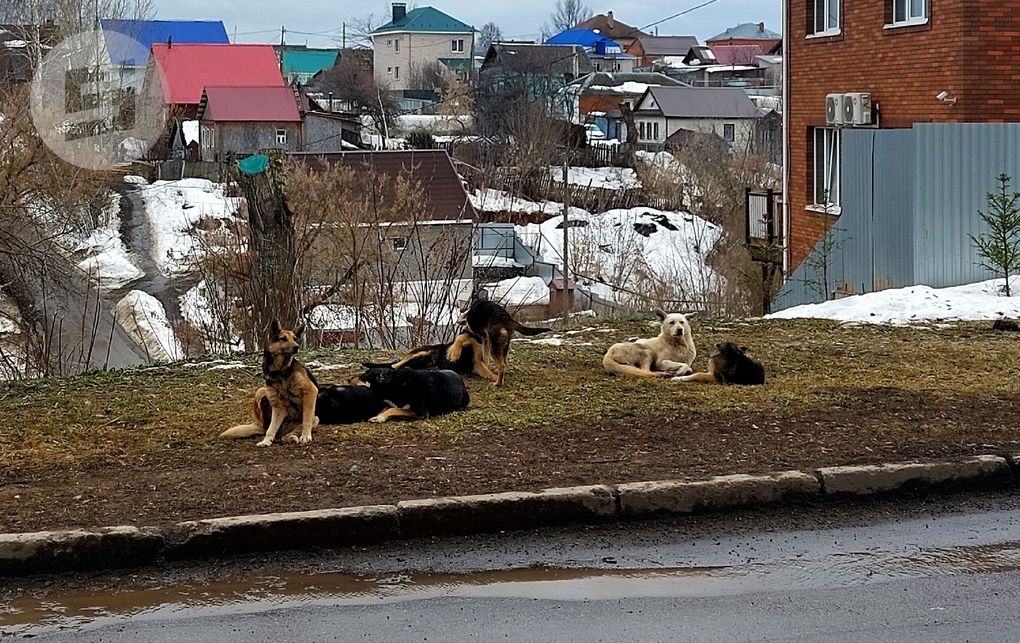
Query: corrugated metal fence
{"x": 910, "y": 199}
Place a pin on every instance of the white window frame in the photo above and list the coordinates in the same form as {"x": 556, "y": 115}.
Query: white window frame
{"x": 396, "y": 46}
{"x": 457, "y": 45}
{"x": 655, "y": 130}
{"x": 827, "y": 150}
{"x": 396, "y": 72}
{"x": 399, "y": 243}
{"x": 281, "y": 137}
{"x": 389, "y": 42}
{"x": 641, "y": 130}
{"x": 832, "y": 12}
{"x": 910, "y": 16}
{"x": 389, "y": 71}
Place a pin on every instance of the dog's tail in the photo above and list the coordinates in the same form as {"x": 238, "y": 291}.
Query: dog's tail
{"x": 261, "y": 412}
{"x": 527, "y": 330}
{"x": 617, "y": 368}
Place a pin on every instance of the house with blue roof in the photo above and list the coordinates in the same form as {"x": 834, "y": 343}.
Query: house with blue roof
{"x": 419, "y": 38}
{"x": 129, "y": 42}
{"x": 605, "y": 54}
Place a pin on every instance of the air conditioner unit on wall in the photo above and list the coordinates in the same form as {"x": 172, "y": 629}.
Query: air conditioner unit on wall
{"x": 834, "y": 109}
{"x": 857, "y": 108}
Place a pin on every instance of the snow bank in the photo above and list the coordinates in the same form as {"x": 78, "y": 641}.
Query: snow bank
{"x": 106, "y": 258}
{"x": 628, "y": 248}
{"x": 498, "y": 201}
{"x": 494, "y": 261}
{"x": 197, "y": 310}
{"x": 520, "y": 291}
{"x": 174, "y": 208}
{"x": 144, "y": 318}
{"x": 405, "y": 315}
{"x": 915, "y": 304}
{"x": 609, "y": 178}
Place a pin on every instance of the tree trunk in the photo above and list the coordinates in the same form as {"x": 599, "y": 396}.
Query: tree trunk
{"x": 274, "y": 293}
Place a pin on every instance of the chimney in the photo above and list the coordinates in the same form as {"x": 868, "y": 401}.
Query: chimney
{"x": 399, "y": 11}
{"x": 169, "y": 42}
{"x": 761, "y": 27}
{"x": 610, "y": 20}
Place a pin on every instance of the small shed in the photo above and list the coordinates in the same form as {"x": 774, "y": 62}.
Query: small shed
{"x": 244, "y": 120}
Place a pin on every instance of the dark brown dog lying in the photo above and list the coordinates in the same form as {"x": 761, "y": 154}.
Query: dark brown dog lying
{"x": 464, "y": 355}
{"x": 729, "y": 364}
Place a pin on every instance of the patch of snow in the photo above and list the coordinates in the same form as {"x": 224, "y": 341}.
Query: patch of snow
{"x": 107, "y": 261}
{"x": 498, "y": 201}
{"x": 144, "y": 318}
{"x": 494, "y": 261}
{"x": 15, "y": 44}
{"x": 916, "y": 304}
{"x": 133, "y": 179}
{"x": 436, "y": 123}
{"x": 626, "y": 249}
{"x": 548, "y": 341}
{"x": 173, "y": 209}
{"x": 609, "y": 178}
{"x": 629, "y": 87}
{"x": 520, "y": 291}
{"x": 190, "y": 131}
{"x": 228, "y": 367}
{"x": 197, "y": 310}
{"x": 403, "y": 315}
{"x": 132, "y": 149}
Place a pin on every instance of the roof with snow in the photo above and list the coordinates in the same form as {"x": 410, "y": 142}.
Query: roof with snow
{"x": 445, "y": 197}
{"x": 667, "y": 45}
{"x": 146, "y": 33}
{"x": 607, "y": 25}
{"x": 747, "y": 31}
{"x": 602, "y": 80}
{"x": 249, "y": 104}
{"x": 186, "y": 70}
{"x": 551, "y": 60}
{"x": 700, "y": 102}
{"x": 427, "y": 19}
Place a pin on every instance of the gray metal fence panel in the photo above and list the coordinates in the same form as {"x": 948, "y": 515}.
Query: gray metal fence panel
{"x": 910, "y": 201}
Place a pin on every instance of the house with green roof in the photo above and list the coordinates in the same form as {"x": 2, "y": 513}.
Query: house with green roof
{"x": 418, "y": 38}
{"x": 300, "y": 63}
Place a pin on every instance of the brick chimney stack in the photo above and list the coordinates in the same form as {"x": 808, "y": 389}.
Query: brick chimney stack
{"x": 399, "y": 11}
{"x": 610, "y": 20}
{"x": 761, "y": 27}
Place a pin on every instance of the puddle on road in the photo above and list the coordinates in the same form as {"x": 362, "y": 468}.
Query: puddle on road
{"x": 265, "y": 593}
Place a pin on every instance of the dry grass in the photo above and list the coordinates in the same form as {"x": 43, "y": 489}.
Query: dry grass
{"x": 131, "y": 413}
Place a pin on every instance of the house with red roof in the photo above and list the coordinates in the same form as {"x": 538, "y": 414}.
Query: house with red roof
{"x": 245, "y": 120}
{"x": 184, "y": 71}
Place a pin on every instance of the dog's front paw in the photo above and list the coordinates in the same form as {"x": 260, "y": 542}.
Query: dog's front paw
{"x": 377, "y": 419}
{"x": 685, "y": 370}
{"x": 304, "y": 439}
{"x": 265, "y": 442}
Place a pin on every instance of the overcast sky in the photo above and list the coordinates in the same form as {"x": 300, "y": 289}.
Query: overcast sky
{"x": 519, "y": 19}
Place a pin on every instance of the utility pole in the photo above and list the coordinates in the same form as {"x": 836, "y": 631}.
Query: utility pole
{"x": 567, "y": 301}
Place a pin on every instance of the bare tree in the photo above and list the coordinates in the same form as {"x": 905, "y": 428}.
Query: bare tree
{"x": 567, "y": 14}
{"x": 489, "y": 33}
{"x": 352, "y": 80}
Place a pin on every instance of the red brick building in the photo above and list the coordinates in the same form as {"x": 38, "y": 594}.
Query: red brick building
{"x": 922, "y": 61}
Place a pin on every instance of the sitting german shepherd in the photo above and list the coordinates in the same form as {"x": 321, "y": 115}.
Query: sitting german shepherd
{"x": 292, "y": 394}
{"x": 412, "y": 394}
{"x": 729, "y": 364}
{"x": 464, "y": 355}
{"x": 496, "y": 327}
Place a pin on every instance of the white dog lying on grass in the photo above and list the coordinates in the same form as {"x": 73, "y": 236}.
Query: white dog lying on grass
{"x": 668, "y": 355}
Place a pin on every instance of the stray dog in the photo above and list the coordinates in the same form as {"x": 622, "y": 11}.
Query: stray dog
{"x": 668, "y": 355}
{"x": 413, "y": 394}
{"x": 729, "y": 365}
{"x": 496, "y": 327}
{"x": 463, "y": 355}
{"x": 290, "y": 389}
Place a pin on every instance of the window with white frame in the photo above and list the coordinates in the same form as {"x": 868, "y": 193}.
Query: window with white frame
{"x": 281, "y": 137}
{"x": 729, "y": 132}
{"x": 396, "y": 45}
{"x": 399, "y": 243}
{"x": 457, "y": 45}
{"x": 396, "y": 73}
{"x": 825, "y": 17}
{"x": 389, "y": 42}
{"x": 907, "y": 12}
{"x": 827, "y": 167}
{"x": 655, "y": 131}
{"x": 389, "y": 70}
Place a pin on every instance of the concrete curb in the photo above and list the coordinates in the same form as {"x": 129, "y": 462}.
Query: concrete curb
{"x": 981, "y": 470}
{"x": 118, "y": 547}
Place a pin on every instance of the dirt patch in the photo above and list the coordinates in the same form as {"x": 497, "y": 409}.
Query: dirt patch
{"x": 139, "y": 447}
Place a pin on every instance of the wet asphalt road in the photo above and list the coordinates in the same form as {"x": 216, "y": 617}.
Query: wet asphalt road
{"x": 905, "y": 570}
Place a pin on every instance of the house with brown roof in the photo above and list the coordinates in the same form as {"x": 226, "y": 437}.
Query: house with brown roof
{"x": 648, "y": 49}
{"x": 605, "y": 24}
{"x": 432, "y": 238}
{"x": 245, "y": 120}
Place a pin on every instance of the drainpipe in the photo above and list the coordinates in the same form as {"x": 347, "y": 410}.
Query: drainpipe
{"x": 786, "y": 137}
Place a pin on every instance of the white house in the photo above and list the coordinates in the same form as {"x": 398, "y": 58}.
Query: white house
{"x": 417, "y": 38}
{"x": 725, "y": 111}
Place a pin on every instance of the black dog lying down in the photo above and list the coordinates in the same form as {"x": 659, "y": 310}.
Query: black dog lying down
{"x": 414, "y": 394}
{"x": 335, "y": 404}
{"x": 464, "y": 355}
{"x": 729, "y": 364}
